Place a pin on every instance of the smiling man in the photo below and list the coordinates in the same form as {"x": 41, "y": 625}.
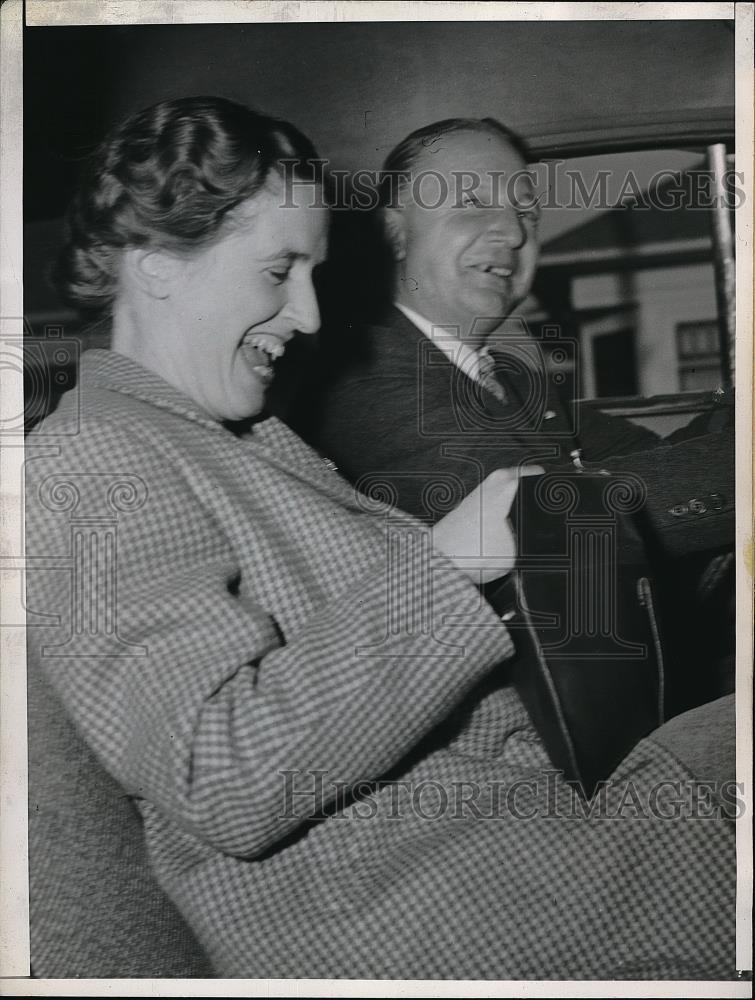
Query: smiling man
{"x": 463, "y": 228}
{"x": 449, "y": 385}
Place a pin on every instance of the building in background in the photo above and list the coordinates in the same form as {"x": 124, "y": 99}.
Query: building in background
{"x": 635, "y": 285}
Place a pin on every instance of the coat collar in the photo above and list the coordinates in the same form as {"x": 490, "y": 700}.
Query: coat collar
{"x": 118, "y": 373}
{"x": 282, "y": 447}
{"x": 396, "y": 344}
{"x": 396, "y": 322}
{"x": 397, "y": 329}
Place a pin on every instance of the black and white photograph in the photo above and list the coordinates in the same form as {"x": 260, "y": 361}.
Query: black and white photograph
{"x": 377, "y": 576}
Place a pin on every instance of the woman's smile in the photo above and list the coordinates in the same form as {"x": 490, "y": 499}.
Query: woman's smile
{"x": 261, "y": 351}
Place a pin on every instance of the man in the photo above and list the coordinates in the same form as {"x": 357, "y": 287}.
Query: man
{"x": 415, "y": 403}
{"x": 447, "y": 386}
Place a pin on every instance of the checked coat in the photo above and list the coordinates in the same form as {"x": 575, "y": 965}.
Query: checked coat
{"x": 310, "y": 709}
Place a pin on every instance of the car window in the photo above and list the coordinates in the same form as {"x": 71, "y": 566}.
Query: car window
{"x": 626, "y": 270}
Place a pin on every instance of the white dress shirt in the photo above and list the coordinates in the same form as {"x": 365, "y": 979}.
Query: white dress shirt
{"x": 464, "y": 357}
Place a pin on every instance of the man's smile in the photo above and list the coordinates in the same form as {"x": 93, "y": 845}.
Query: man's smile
{"x": 491, "y": 274}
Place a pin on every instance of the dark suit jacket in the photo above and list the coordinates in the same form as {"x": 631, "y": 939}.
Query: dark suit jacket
{"x": 394, "y": 411}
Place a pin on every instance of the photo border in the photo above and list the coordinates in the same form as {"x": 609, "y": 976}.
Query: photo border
{"x": 14, "y": 943}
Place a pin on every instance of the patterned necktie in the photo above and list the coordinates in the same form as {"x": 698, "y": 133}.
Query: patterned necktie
{"x": 487, "y": 377}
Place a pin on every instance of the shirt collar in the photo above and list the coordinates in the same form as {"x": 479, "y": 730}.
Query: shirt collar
{"x": 445, "y": 338}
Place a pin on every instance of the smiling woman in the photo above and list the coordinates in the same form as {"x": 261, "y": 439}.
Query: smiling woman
{"x": 226, "y": 311}
{"x": 178, "y": 229}
{"x": 196, "y": 654}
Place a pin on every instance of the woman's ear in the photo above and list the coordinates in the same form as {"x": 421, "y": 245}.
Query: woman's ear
{"x": 153, "y": 271}
{"x": 395, "y": 232}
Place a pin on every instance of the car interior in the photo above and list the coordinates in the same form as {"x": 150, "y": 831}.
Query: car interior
{"x": 631, "y": 127}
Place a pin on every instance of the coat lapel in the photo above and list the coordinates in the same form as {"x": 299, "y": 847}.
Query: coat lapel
{"x": 291, "y": 455}
{"x": 282, "y": 448}
{"x": 399, "y": 347}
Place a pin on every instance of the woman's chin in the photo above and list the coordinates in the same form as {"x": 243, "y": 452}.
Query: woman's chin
{"x": 247, "y": 390}
{"x": 238, "y": 403}
{"x": 252, "y": 407}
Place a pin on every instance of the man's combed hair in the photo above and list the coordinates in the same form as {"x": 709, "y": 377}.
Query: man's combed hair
{"x": 407, "y": 156}
{"x": 168, "y": 177}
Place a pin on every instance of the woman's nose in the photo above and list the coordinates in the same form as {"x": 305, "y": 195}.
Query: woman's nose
{"x": 304, "y": 310}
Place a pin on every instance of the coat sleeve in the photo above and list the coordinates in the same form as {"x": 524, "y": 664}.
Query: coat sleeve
{"x": 602, "y": 436}
{"x": 372, "y": 428}
{"x": 189, "y": 693}
{"x": 688, "y": 478}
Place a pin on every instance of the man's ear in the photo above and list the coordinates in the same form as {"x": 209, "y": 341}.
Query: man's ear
{"x": 152, "y": 270}
{"x": 395, "y": 231}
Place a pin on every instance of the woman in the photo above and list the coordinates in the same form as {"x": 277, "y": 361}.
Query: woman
{"x": 306, "y": 699}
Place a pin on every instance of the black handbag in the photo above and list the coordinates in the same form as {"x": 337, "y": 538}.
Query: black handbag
{"x": 589, "y": 665}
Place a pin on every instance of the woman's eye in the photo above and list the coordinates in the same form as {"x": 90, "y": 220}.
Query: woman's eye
{"x": 278, "y": 276}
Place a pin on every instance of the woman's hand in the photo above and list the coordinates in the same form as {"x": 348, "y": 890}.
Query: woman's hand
{"x": 477, "y": 535}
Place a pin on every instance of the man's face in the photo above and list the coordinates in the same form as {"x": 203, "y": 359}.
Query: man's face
{"x": 470, "y": 259}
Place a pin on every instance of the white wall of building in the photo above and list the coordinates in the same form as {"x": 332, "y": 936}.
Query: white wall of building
{"x": 654, "y": 301}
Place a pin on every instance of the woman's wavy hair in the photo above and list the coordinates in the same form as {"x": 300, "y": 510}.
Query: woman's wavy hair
{"x": 168, "y": 177}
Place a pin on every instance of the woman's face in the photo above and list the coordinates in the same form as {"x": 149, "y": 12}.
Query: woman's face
{"x": 231, "y": 308}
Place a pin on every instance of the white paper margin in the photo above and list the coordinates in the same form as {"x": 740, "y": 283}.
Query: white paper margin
{"x": 14, "y": 944}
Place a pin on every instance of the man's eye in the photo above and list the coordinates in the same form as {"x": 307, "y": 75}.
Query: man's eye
{"x": 469, "y": 200}
{"x": 529, "y": 215}
{"x": 531, "y": 211}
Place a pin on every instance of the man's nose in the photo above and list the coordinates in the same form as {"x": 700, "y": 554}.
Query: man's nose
{"x": 505, "y": 226}
{"x": 303, "y": 308}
